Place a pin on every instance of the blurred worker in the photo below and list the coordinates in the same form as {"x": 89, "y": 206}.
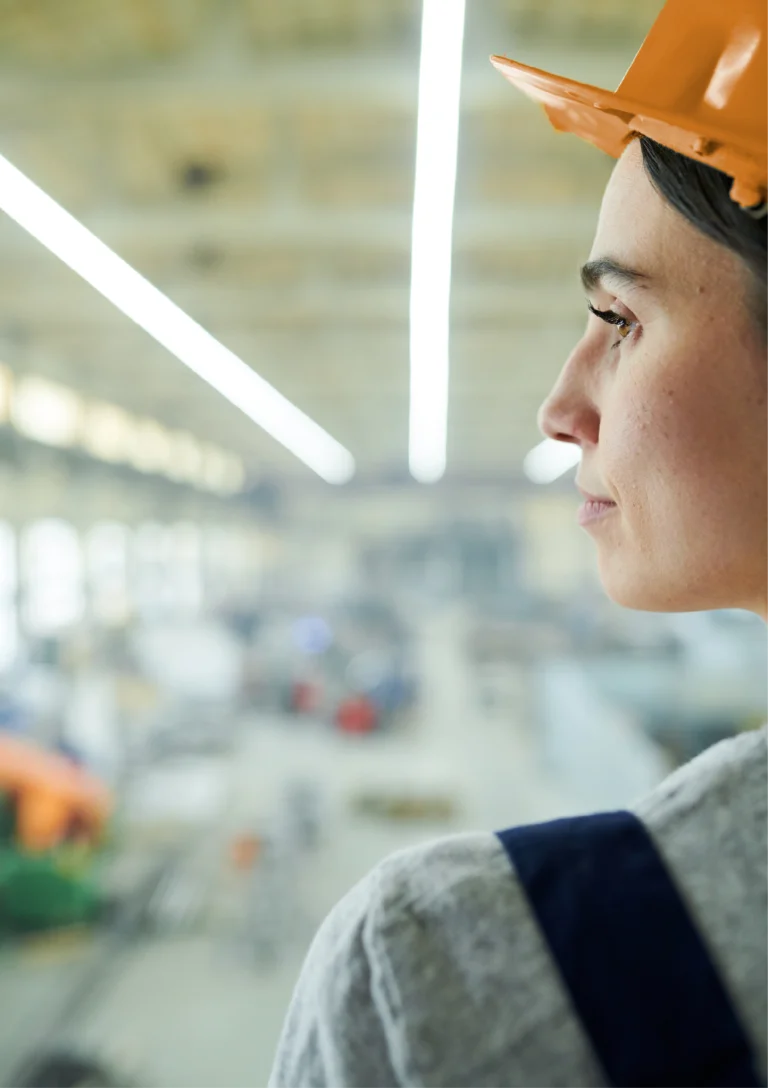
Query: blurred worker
{"x": 271, "y": 906}
{"x": 624, "y": 948}
{"x": 305, "y": 697}
{"x": 302, "y": 813}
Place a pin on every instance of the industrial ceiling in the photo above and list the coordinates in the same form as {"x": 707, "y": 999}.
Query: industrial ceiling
{"x": 254, "y": 159}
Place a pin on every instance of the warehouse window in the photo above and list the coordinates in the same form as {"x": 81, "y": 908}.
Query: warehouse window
{"x": 106, "y": 557}
{"x": 52, "y": 577}
{"x": 9, "y": 620}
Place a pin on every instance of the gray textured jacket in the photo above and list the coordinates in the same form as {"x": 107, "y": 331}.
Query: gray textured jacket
{"x": 432, "y": 970}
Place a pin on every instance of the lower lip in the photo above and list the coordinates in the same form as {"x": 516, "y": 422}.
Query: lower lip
{"x": 594, "y": 511}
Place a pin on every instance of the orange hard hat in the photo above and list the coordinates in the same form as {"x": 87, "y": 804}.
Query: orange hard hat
{"x": 697, "y": 85}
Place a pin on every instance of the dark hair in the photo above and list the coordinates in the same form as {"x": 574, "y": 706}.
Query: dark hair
{"x": 702, "y": 195}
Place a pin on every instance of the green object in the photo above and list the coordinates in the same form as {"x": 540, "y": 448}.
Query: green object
{"x": 42, "y": 891}
{"x": 35, "y": 894}
{"x": 7, "y": 819}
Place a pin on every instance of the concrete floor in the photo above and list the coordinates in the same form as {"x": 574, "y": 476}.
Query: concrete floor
{"x": 191, "y": 1011}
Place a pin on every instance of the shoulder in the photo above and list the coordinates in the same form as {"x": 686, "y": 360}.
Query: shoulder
{"x": 730, "y": 774}
{"x": 436, "y": 938}
{"x": 430, "y": 909}
{"x": 346, "y": 1022}
{"x": 437, "y": 879}
{"x": 391, "y": 926}
{"x": 433, "y": 970}
{"x": 709, "y": 823}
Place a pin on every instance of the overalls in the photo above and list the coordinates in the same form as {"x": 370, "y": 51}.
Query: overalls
{"x": 641, "y": 980}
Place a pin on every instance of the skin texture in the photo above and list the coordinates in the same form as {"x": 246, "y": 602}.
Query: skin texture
{"x": 671, "y": 422}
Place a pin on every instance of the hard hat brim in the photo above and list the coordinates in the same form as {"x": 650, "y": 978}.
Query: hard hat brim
{"x": 572, "y": 107}
{"x": 609, "y": 120}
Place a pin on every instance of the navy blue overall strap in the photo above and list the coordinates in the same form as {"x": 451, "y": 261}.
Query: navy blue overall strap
{"x": 640, "y": 977}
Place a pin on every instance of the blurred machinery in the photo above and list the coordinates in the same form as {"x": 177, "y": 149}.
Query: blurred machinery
{"x": 413, "y": 805}
{"x": 53, "y": 816}
{"x": 349, "y": 663}
{"x": 69, "y": 1069}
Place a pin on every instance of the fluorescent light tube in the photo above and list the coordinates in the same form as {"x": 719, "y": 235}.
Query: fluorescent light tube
{"x": 550, "y": 460}
{"x": 442, "y": 37}
{"x": 46, "y": 411}
{"x": 77, "y": 247}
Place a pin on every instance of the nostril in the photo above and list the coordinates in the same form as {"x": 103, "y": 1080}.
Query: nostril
{"x": 546, "y": 423}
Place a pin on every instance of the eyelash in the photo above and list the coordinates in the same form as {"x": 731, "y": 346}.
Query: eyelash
{"x": 612, "y": 318}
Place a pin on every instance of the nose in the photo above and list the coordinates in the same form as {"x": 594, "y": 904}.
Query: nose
{"x": 569, "y": 413}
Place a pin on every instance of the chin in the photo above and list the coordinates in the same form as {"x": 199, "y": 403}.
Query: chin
{"x": 638, "y": 601}
{"x": 647, "y": 591}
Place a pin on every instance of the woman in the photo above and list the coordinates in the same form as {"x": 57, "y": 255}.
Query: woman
{"x": 621, "y": 948}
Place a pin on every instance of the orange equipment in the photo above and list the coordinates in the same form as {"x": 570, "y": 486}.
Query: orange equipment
{"x": 51, "y": 794}
{"x": 697, "y": 85}
{"x": 245, "y": 850}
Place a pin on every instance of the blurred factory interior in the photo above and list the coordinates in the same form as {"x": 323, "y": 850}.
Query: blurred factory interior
{"x": 247, "y": 651}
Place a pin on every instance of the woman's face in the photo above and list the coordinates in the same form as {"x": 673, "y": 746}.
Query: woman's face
{"x": 669, "y": 409}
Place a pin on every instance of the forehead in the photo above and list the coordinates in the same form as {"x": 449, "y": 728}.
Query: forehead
{"x": 637, "y": 227}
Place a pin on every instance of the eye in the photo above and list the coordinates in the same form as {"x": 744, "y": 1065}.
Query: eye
{"x": 622, "y": 324}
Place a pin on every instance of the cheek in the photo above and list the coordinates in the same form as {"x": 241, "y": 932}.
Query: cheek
{"x": 681, "y": 442}
{"x": 635, "y": 434}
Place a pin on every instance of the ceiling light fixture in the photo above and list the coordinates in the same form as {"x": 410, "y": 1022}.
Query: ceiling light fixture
{"x": 550, "y": 460}
{"x": 152, "y": 447}
{"x": 187, "y": 458}
{"x": 6, "y": 393}
{"x": 234, "y": 477}
{"x": 46, "y": 411}
{"x": 215, "y": 468}
{"x": 107, "y": 432}
{"x": 77, "y": 247}
{"x": 442, "y": 38}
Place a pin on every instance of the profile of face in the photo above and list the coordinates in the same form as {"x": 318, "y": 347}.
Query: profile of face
{"x": 665, "y": 393}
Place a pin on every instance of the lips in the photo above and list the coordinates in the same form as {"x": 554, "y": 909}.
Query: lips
{"x": 590, "y": 511}
{"x": 594, "y": 508}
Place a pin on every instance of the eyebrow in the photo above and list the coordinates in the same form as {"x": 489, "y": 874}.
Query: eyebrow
{"x": 594, "y": 272}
